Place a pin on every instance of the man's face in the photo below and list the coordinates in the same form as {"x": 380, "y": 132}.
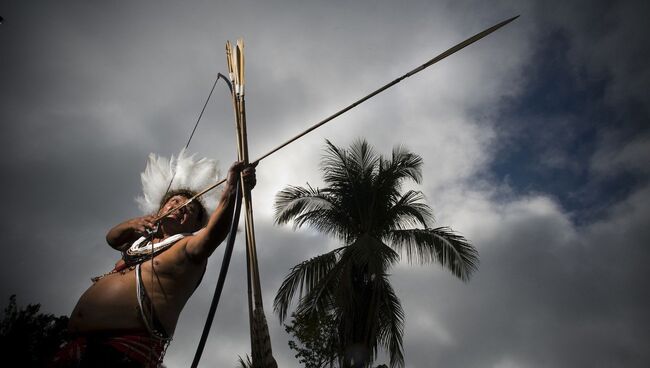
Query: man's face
{"x": 185, "y": 219}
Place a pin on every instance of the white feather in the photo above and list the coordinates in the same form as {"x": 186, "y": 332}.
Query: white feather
{"x": 190, "y": 174}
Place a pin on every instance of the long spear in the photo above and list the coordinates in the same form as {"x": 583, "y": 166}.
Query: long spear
{"x": 436, "y": 59}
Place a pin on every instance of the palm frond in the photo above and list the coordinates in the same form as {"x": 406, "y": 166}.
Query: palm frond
{"x": 313, "y": 207}
{"x": 336, "y": 166}
{"x": 303, "y": 278}
{"x": 387, "y": 183}
{"x": 363, "y": 158}
{"x": 329, "y": 222}
{"x": 441, "y": 244}
{"x": 322, "y": 297}
{"x": 293, "y": 200}
{"x": 406, "y": 164}
{"x": 402, "y": 165}
{"x": 409, "y": 211}
{"x": 391, "y": 322}
{"x": 241, "y": 363}
{"x": 358, "y": 265}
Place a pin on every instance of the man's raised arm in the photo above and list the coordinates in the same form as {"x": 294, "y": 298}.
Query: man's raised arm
{"x": 201, "y": 246}
{"x": 122, "y": 235}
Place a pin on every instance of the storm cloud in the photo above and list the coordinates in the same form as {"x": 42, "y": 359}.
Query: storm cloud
{"x": 535, "y": 143}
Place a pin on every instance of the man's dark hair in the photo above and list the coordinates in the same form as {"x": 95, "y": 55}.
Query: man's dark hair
{"x": 202, "y": 212}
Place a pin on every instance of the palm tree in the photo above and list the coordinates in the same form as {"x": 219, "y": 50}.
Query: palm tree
{"x": 363, "y": 206}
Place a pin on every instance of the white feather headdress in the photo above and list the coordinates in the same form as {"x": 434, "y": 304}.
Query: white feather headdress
{"x": 187, "y": 174}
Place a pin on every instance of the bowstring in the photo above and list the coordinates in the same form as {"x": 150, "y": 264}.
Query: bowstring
{"x": 219, "y": 75}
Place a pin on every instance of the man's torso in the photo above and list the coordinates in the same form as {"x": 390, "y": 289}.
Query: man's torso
{"x": 111, "y": 303}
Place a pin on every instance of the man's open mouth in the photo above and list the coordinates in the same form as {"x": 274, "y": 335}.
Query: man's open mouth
{"x": 176, "y": 215}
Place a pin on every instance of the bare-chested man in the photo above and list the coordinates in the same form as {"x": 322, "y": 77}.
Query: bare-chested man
{"x": 127, "y": 317}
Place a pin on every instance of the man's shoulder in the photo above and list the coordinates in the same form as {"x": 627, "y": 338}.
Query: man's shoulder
{"x": 179, "y": 248}
{"x": 179, "y": 240}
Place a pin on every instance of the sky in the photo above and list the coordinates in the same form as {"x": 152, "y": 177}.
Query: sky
{"x": 533, "y": 142}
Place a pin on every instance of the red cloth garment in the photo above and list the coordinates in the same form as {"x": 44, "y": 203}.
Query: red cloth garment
{"x": 141, "y": 347}
{"x": 132, "y": 349}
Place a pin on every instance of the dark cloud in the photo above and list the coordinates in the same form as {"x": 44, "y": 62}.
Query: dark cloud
{"x": 547, "y": 294}
{"x": 562, "y": 134}
{"x": 544, "y": 119}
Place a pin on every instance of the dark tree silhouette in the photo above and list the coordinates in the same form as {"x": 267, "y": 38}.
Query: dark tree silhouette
{"x": 316, "y": 342}
{"x": 30, "y": 338}
{"x": 364, "y": 207}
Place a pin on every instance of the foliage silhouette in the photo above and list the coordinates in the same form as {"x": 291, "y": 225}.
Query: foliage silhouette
{"x": 30, "y": 337}
{"x": 363, "y": 206}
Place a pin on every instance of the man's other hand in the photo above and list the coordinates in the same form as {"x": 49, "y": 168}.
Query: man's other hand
{"x": 247, "y": 172}
{"x": 142, "y": 225}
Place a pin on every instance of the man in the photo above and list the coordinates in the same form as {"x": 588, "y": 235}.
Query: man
{"x": 127, "y": 317}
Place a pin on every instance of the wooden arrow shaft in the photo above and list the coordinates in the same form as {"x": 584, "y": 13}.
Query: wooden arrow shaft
{"x": 349, "y": 107}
